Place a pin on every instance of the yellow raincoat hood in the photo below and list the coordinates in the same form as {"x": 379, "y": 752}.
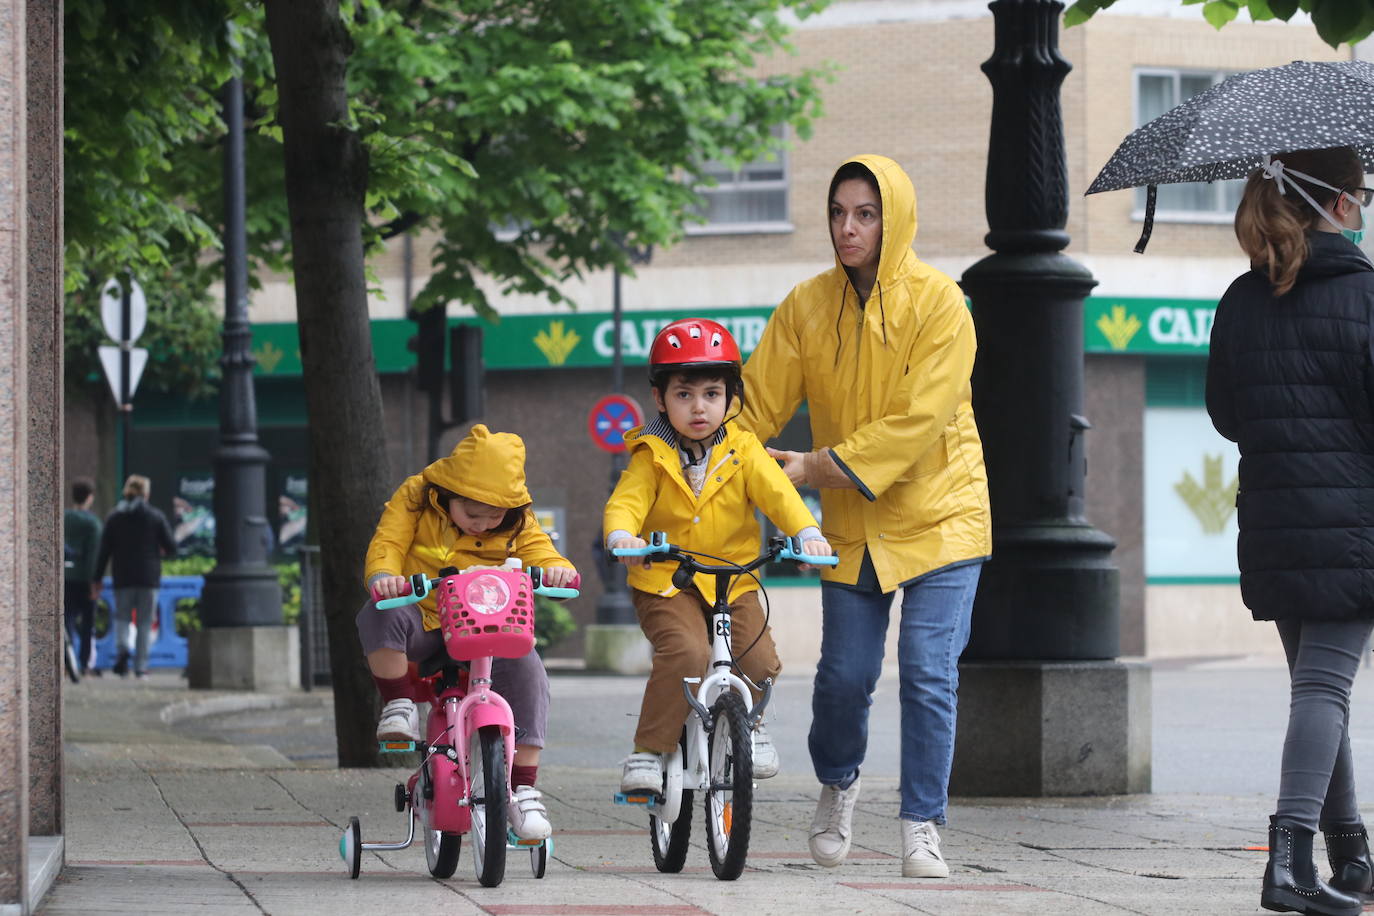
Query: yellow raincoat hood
{"x": 887, "y": 386}
{"x": 487, "y": 467}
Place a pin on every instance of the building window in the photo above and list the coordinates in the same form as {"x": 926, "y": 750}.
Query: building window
{"x": 752, "y": 198}
{"x": 1156, "y": 91}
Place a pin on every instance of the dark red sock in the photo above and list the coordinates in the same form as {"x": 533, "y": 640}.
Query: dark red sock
{"x": 523, "y": 775}
{"x": 392, "y": 688}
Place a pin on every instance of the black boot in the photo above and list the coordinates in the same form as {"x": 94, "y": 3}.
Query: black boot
{"x": 1347, "y": 849}
{"x": 1291, "y": 884}
{"x": 121, "y": 665}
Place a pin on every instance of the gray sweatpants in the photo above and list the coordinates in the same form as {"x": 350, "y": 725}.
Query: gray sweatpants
{"x": 128, "y": 600}
{"x": 1317, "y": 781}
{"x": 522, "y": 682}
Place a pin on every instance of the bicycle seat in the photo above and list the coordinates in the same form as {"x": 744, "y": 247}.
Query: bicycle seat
{"x": 437, "y": 662}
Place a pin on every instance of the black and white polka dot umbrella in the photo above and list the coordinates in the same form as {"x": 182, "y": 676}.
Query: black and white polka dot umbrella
{"x": 1226, "y": 131}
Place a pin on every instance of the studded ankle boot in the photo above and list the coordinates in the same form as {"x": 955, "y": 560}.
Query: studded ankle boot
{"x": 1347, "y": 849}
{"x": 1291, "y": 884}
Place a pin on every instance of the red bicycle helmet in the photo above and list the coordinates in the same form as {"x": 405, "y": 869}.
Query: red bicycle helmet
{"x": 695, "y": 342}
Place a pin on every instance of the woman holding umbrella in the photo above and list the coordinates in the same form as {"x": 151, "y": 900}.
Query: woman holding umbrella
{"x": 1290, "y": 379}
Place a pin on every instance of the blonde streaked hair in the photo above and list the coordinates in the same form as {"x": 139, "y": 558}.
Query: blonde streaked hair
{"x": 137, "y": 487}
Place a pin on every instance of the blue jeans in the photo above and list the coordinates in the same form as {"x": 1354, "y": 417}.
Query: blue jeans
{"x": 936, "y": 610}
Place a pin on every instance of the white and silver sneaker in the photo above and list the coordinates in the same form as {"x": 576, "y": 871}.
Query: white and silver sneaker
{"x": 921, "y": 851}
{"x": 400, "y": 721}
{"x": 643, "y": 773}
{"x": 765, "y": 754}
{"x": 830, "y": 828}
{"x": 527, "y": 815}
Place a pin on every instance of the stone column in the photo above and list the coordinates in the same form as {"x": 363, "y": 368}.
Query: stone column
{"x": 44, "y": 369}
{"x": 14, "y": 434}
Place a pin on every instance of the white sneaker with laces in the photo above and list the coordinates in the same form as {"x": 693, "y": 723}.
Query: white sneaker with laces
{"x": 400, "y": 721}
{"x": 830, "y": 828}
{"x": 527, "y": 815}
{"x": 643, "y": 773}
{"x": 765, "y": 754}
{"x": 921, "y": 851}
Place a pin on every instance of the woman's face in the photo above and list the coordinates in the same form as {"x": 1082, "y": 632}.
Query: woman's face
{"x": 856, "y": 224}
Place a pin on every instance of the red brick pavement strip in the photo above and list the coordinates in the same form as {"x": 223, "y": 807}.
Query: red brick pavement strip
{"x": 95, "y": 862}
{"x": 558, "y": 833}
{"x": 914, "y": 886}
{"x": 806, "y": 856}
{"x": 577, "y": 909}
{"x": 259, "y": 824}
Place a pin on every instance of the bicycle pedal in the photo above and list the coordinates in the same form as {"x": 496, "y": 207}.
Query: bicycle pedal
{"x": 396, "y": 747}
{"x": 636, "y": 798}
{"x": 515, "y": 842}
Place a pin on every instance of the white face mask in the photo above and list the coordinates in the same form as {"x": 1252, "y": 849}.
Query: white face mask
{"x": 1275, "y": 170}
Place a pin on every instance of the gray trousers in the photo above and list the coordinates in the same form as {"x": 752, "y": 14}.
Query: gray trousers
{"x": 1317, "y": 781}
{"x": 522, "y": 682}
{"x": 127, "y": 600}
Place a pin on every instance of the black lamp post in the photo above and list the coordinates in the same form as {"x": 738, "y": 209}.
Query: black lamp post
{"x": 241, "y": 590}
{"x": 1050, "y": 590}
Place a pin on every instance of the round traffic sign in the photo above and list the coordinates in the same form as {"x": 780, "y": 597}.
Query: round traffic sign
{"x": 611, "y": 418}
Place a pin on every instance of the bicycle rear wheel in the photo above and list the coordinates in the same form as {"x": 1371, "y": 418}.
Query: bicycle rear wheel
{"x": 487, "y": 767}
{"x": 730, "y": 797}
{"x": 669, "y": 841}
{"x": 441, "y": 847}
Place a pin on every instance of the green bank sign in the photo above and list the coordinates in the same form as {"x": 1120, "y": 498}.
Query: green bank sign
{"x": 577, "y": 340}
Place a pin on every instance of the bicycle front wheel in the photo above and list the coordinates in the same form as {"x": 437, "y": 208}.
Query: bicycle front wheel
{"x": 730, "y": 796}
{"x": 487, "y": 767}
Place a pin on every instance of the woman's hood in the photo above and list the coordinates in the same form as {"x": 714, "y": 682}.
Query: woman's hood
{"x": 899, "y": 213}
{"x": 486, "y": 466}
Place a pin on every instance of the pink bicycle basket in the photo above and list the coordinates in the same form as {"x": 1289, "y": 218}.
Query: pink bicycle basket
{"x": 487, "y": 612}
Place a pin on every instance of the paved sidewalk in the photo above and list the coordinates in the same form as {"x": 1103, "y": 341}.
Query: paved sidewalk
{"x": 164, "y": 816}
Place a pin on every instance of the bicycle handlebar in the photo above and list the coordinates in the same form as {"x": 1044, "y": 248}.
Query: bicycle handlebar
{"x": 421, "y": 585}
{"x": 780, "y": 548}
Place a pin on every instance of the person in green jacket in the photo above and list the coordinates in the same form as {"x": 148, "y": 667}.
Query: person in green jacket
{"x": 80, "y": 584}
{"x": 881, "y": 349}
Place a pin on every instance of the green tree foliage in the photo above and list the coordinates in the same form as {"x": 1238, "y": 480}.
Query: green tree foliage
{"x": 1337, "y": 21}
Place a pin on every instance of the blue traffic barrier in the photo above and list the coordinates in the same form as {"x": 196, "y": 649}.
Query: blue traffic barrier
{"x": 167, "y": 649}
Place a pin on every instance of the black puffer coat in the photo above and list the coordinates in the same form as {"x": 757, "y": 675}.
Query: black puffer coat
{"x": 1291, "y": 380}
{"x": 136, "y": 538}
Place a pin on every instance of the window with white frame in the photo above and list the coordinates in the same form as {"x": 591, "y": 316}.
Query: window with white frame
{"x": 1156, "y": 91}
{"x": 751, "y": 198}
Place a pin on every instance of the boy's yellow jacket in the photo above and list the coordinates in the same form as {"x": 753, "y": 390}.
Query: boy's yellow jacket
{"x": 415, "y": 534}
{"x": 652, "y": 495}
{"x": 888, "y": 392}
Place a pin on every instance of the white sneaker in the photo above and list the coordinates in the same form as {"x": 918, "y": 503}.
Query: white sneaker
{"x": 765, "y": 754}
{"x": 527, "y": 815}
{"x": 830, "y": 828}
{"x": 921, "y": 851}
{"x": 400, "y": 721}
{"x": 643, "y": 773}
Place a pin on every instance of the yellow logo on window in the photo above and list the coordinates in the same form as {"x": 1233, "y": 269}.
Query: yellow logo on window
{"x": 1119, "y": 328}
{"x": 269, "y": 356}
{"x": 556, "y": 343}
{"x": 1212, "y": 501}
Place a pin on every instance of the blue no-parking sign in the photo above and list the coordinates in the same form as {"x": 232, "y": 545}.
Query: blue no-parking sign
{"x": 611, "y": 418}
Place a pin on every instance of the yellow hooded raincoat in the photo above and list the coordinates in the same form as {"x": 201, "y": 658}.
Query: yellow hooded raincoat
{"x": 652, "y": 495}
{"x": 888, "y": 391}
{"x": 416, "y": 534}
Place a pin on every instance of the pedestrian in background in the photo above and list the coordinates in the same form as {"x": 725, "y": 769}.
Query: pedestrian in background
{"x": 135, "y": 539}
{"x": 881, "y": 348}
{"x": 1290, "y": 379}
{"x": 80, "y": 584}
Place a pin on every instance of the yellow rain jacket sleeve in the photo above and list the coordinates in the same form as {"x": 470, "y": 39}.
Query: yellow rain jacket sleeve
{"x": 887, "y": 388}
{"x": 652, "y": 495}
{"x": 416, "y": 535}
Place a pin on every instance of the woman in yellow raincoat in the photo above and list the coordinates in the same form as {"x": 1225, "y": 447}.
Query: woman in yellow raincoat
{"x": 881, "y": 347}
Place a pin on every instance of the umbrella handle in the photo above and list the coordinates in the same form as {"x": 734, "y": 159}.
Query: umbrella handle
{"x": 1150, "y": 193}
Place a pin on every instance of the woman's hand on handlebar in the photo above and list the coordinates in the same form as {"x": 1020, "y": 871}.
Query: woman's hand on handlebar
{"x": 390, "y": 587}
{"x": 558, "y": 576}
{"x": 631, "y": 544}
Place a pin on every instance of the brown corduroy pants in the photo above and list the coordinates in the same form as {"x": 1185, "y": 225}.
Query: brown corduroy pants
{"x": 678, "y": 629}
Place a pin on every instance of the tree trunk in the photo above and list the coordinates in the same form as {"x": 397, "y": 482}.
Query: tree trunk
{"x": 326, "y": 179}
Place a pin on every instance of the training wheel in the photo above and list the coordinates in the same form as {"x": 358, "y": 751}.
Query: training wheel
{"x": 539, "y": 857}
{"x": 351, "y": 847}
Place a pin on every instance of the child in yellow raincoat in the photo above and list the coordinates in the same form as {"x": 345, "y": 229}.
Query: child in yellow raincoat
{"x": 693, "y": 475}
{"x": 469, "y": 509}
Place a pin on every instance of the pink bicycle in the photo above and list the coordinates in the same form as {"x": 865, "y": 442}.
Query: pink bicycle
{"x": 463, "y": 781}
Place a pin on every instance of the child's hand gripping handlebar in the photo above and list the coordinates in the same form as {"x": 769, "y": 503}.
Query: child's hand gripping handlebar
{"x": 792, "y": 550}
{"x": 421, "y": 585}
{"x": 788, "y": 549}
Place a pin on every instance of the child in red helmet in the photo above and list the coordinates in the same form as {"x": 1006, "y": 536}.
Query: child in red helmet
{"x": 699, "y": 479}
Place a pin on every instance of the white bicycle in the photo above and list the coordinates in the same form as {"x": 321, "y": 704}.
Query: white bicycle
{"x": 715, "y": 754}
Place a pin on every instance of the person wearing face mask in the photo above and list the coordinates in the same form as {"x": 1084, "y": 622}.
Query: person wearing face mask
{"x": 1290, "y": 380}
{"x": 881, "y": 348}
